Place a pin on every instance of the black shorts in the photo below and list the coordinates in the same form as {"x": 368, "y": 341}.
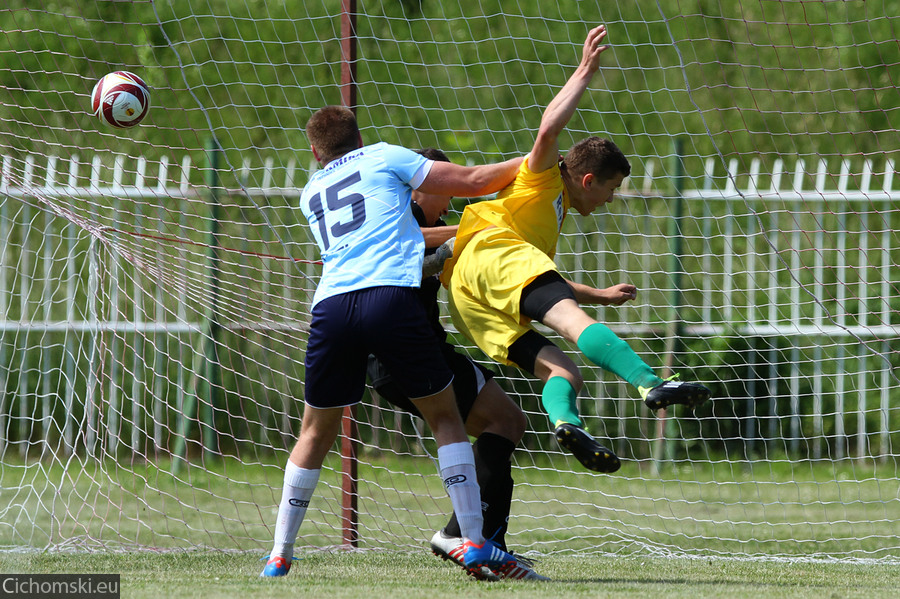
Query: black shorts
{"x": 388, "y": 322}
{"x": 544, "y": 292}
{"x": 469, "y": 377}
{"x": 524, "y": 351}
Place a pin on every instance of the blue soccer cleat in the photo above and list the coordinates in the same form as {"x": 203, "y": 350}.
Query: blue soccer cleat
{"x": 477, "y": 559}
{"x": 276, "y": 566}
{"x": 454, "y": 549}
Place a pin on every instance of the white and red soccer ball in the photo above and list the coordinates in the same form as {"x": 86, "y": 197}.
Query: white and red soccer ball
{"x": 121, "y": 99}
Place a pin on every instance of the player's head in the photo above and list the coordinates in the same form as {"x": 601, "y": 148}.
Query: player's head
{"x": 432, "y": 206}
{"x": 600, "y": 157}
{"x": 596, "y": 168}
{"x": 332, "y": 132}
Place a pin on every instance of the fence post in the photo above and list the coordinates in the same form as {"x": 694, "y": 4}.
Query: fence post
{"x": 21, "y": 353}
{"x": 674, "y": 326}
{"x": 208, "y": 374}
{"x": 4, "y": 309}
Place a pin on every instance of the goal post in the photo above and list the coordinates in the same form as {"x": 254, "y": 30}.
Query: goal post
{"x": 349, "y": 428}
{"x": 154, "y": 303}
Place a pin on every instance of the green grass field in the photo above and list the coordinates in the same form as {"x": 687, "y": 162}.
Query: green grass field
{"x": 770, "y": 509}
{"x": 201, "y": 534}
{"x": 373, "y": 575}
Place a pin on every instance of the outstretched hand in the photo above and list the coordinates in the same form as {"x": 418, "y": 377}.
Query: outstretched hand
{"x": 562, "y": 107}
{"x": 617, "y": 294}
{"x": 611, "y": 296}
{"x": 590, "y": 56}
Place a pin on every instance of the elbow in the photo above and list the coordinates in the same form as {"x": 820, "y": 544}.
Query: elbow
{"x": 548, "y": 132}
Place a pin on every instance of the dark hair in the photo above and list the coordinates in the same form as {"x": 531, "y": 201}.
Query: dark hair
{"x": 333, "y": 131}
{"x": 433, "y": 154}
{"x": 600, "y": 157}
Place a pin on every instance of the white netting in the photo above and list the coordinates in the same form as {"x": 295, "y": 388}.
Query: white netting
{"x": 154, "y": 289}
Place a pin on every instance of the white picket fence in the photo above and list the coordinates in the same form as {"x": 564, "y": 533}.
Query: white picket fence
{"x": 750, "y": 246}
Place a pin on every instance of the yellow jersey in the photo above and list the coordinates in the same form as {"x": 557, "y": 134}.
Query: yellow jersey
{"x": 533, "y": 207}
{"x": 501, "y": 246}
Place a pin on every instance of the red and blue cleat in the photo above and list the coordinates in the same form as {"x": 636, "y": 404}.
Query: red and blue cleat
{"x": 276, "y": 566}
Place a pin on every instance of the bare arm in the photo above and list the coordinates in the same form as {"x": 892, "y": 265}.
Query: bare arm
{"x": 611, "y": 296}
{"x": 435, "y": 236}
{"x": 546, "y": 146}
{"x": 446, "y": 178}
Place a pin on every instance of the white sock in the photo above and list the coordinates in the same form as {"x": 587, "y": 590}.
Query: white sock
{"x": 299, "y": 484}
{"x": 457, "y": 464}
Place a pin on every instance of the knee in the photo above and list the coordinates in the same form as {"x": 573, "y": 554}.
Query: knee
{"x": 552, "y": 362}
{"x": 513, "y": 423}
{"x": 509, "y": 424}
{"x": 495, "y": 412}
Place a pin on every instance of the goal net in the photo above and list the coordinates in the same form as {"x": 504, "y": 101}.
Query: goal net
{"x": 155, "y": 282}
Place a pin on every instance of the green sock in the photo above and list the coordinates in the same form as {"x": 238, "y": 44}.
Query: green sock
{"x": 602, "y": 347}
{"x": 558, "y": 399}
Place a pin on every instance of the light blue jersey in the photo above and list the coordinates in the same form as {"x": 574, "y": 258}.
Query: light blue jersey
{"x": 358, "y": 210}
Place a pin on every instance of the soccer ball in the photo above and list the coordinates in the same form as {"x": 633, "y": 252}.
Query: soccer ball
{"x": 121, "y": 99}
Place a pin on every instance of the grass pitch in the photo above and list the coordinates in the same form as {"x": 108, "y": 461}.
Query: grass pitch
{"x": 202, "y": 534}
{"x": 340, "y": 575}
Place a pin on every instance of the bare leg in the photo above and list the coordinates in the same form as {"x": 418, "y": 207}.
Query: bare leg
{"x": 442, "y": 415}
{"x": 568, "y": 319}
{"x": 498, "y": 424}
{"x": 495, "y": 412}
{"x": 318, "y": 431}
{"x": 301, "y": 476}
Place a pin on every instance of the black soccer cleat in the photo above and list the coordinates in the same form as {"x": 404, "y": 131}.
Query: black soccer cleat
{"x": 673, "y": 391}
{"x": 586, "y": 450}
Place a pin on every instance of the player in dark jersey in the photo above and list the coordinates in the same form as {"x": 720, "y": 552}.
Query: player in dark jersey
{"x": 495, "y": 421}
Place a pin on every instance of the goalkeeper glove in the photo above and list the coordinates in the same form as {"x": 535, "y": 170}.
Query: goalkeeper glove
{"x": 434, "y": 263}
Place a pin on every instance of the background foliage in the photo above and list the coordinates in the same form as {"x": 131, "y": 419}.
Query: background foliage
{"x": 740, "y": 78}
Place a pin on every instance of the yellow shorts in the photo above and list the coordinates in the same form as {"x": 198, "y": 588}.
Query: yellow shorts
{"x": 486, "y": 287}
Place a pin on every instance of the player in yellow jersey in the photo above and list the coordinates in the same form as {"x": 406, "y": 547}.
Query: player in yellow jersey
{"x": 502, "y": 275}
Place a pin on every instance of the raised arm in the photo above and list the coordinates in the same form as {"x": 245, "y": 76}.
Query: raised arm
{"x": 560, "y": 110}
{"x": 446, "y": 178}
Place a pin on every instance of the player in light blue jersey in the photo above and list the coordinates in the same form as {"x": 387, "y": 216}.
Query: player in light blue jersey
{"x": 358, "y": 208}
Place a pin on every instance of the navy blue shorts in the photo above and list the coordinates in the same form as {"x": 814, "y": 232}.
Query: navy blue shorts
{"x": 387, "y": 322}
